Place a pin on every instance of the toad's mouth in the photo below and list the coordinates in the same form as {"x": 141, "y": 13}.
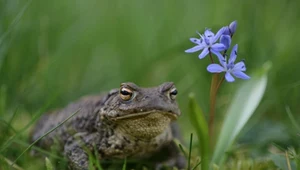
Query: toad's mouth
{"x": 145, "y": 125}
{"x": 145, "y": 114}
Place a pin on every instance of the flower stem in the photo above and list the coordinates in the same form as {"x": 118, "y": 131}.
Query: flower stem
{"x": 213, "y": 92}
{"x": 215, "y": 85}
{"x": 220, "y": 82}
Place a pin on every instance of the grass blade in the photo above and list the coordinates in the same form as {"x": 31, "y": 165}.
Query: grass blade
{"x": 15, "y": 21}
{"x": 190, "y": 151}
{"x": 288, "y": 160}
{"x": 9, "y": 127}
{"x": 35, "y": 117}
{"x": 199, "y": 123}
{"x": 125, "y": 163}
{"x": 3, "y": 97}
{"x": 241, "y": 109}
{"x": 97, "y": 159}
{"x": 10, "y": 162}
{"x": 183, "y": 150}
{"x": 292, "y": 118}
{"x": 51, "y": 130}
{"x": 44, "y": 152}
{"x": 49, "y": 165}
{"x": 196, "y": 165}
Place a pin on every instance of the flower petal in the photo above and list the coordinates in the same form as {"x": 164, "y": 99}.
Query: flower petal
{"x": 233, "y": 54}
{"x": 220, "y": 57}
{"x": 196, "y": 40}
{"x": 232, "y": 27}
{"x": 194, "y": 49}
{"x": 203, "y": 53}
{"x": 240, "y": 66}
{"x": 226, "y": 32}
{"x": 208, "y": 33}
{"x": 241, "y": 75}
{"x": 215, "y": 68}
{"x": 229, "y": 77}
{"x": 226, "y": 40}
{"x": 218, "y": 47}
{"x": 219, "y": 33}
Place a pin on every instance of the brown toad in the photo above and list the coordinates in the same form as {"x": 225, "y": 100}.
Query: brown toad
{"x": 130, "y": 122}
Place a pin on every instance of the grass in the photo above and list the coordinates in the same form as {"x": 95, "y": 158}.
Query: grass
{"x": 237, "y": 162}
{"x": 48, "y": 132}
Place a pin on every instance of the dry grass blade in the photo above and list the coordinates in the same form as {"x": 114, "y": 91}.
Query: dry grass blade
{"x": 288, "y": 160}
{"x": 10, "y": 162}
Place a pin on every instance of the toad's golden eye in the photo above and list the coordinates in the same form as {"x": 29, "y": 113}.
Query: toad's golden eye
{"x": 173, "y": 93}
{"x": 125, "y": 93}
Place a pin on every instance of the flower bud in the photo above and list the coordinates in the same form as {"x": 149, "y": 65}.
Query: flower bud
{"x": 232, "y": 27}
{"x": 226, "y": 40}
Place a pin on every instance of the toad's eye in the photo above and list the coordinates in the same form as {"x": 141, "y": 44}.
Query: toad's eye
{"x": 125, "y": 93}
{"x": 173, "y": 93}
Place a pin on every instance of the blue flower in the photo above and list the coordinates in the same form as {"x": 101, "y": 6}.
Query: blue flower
{"x": 207, "y": 43}
{"x": 230, "y": 68}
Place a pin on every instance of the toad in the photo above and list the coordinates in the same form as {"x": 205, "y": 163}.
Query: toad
{"x": 130, "y": 122}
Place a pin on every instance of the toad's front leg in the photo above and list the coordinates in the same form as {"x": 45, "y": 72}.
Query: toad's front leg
{"x": 169, "y": 157}
{"x": 77, "y": 150}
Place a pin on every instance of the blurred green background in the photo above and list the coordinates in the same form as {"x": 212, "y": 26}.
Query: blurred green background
{"x": 53, "y": 52}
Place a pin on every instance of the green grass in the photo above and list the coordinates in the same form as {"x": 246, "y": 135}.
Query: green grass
{"x": 48, "y": 132}
{"x": 53, "y": 52}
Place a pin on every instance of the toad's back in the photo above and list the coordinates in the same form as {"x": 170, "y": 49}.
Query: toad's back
{"x": 83, "y": 120}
